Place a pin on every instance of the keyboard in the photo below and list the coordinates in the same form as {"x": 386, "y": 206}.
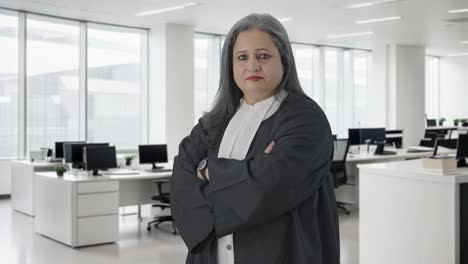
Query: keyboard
{"x": 416, "y": 149}
{"x": 159, "y": 170}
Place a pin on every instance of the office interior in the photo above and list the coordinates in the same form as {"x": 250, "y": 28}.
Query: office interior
{"x": 135, "y": 77}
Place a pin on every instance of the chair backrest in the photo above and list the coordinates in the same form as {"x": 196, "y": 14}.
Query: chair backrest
{"x": 340, "y": 149}
{"x": 446, "y": 143}
{"x": 338, "y": 166}
{"x": 431, "y": 122}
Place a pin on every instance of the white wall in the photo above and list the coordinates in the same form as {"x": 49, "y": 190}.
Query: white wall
{"x": 453, "y": 91}
{"x": 406, "y": 91}
{"x": 5, "y": 177}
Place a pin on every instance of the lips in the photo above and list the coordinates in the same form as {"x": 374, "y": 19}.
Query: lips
{"x": 254, "y": 78}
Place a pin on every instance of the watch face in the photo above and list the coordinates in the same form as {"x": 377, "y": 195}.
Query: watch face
{"x": 202, "y": 164}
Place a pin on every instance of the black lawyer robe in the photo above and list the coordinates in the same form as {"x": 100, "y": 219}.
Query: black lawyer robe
{"x": 280, "y": 206}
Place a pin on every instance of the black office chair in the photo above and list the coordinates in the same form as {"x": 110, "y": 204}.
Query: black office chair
{"x": 338, "y": 167}
{"x": 430, "y": 139}
{"x": 163, "y": 200}
{"x": 431, "y": 122}
{"x": 446, "y": 143}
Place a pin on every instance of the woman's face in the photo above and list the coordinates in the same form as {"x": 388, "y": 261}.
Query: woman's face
{"x": 257, "y": 65}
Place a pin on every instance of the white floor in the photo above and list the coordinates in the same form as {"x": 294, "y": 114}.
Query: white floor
{"x": 20, "y": 245}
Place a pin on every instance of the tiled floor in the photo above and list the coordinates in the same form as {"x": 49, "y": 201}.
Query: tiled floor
{"x": 20, "y": 245}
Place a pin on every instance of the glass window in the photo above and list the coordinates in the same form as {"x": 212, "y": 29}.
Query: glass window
{"x": 114, "y": 96}
{"x": 52, "y": 68}
{"x": 207, "y": 69}
{"x": 8, "y": 85}
{"x": 304, "y": 57}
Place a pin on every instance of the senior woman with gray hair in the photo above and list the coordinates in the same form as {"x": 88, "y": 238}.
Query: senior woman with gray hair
{"x": 252, "y": 182}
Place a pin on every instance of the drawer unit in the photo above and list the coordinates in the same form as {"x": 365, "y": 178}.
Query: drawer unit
{"x": 96, "y": 187}
{"x": 97, "y": 204}
{"x": 97, "y": 230}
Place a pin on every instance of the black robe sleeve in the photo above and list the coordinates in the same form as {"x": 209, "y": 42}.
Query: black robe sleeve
{"x": 258, "y": 189}
{"x": 189, "y": 205}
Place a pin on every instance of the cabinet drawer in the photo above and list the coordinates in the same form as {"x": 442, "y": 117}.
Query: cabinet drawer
{"x": 94, "y": 187}
{"x": 97, "y": 204}
{"x": 97, "y": 230}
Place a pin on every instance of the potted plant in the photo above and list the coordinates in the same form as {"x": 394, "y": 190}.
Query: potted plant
{"x": 456, "y": 121}
{"x": 128, "y": 159}
{"x": 441, "y": 121}
{"x": 60, "y": 169}
{"x": 463, "y": 121}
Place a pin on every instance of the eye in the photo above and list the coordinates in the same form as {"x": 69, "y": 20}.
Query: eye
{"x": 242, "y": 57}
{"x": 264, "y": 56}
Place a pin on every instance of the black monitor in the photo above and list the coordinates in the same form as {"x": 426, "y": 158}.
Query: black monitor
{"x": 99, "y": 158}
{"x": 431, "y": 122}
{"x": 462, "y": 150}
{"x": 372, "y": 135}
{"x": 354, "y": 136}
{"x": 446, "y": 143}
{"x": 73, "y": 152}
{"x": 59, "y": 153}
{"x": 152, "y": 154}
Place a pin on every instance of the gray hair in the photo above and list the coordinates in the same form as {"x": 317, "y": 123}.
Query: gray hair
{"x": 229, "y": 94}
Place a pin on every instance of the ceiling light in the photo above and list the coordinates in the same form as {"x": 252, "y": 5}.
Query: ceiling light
{"x": 375, "y": 20}
{"x": 351, "y": 35}
{"x": 458, "y": 11}
{"x": 372, "y": 3}
{"x": 167, "y": 9}
{"x": 458, "y": 54}
{"x": 464, "y": 42}
{"x": 285, "y": 19}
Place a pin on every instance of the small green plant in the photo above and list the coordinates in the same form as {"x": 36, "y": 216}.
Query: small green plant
{"x": 456, "y": 121}
{"x": 128, "y": 159}
{"x": 60, "y": 169}
{"x": 441, "y": 121}
{"x": 463, "y": 120}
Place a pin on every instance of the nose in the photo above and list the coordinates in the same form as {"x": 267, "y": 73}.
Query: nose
{"x": 253, "y": 65}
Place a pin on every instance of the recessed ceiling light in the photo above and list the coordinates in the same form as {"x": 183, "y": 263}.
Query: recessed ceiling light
{"x": 458, "y": 54}
{"x": 464, "y": 42}
{"x": 167, "y": 9}
{"x": 350, "y": 35}
{"x": 285, "y": 19}
{"x": 458, "y": 11}
{"x": 375, "y": 20}
{"x": 371, "y": 3}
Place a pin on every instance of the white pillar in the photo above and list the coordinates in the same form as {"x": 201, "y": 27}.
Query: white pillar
{"x": 406, "y": 91}
{"x": 172, "y": 81}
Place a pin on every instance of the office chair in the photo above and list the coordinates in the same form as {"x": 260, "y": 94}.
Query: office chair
{"x": 430, "y": 139}
{"x": 446, "y": 143}
{"x": 431, "y": 122}
{"x": 338, "y": 167}
{"x": 163, "y": 200}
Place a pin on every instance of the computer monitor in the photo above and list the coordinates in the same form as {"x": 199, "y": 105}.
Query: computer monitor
{"x": 462, "y": 150}
{"x": 152, "y": 154}
{"x": 99, "y": 158}
{"x": 354, "y": 136}
{"x": 73, "y": 152}
{"x": 431, "y": 122}
{"x": 446, "y": 143}
{"x": 59, "y": 153}
{"x": 372, "y": 135}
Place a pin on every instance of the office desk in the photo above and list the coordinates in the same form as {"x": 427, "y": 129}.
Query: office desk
{"x": 22, "y": 183}
{"x": 83, "y": 210}
{"x": 349, "y": 194}
{"x": 410, "y": 215}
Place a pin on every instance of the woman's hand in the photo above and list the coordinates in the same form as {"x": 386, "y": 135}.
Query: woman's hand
{"x": 206, "y": 173}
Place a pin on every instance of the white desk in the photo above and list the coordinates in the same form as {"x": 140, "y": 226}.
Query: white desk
{"x": 83, "y": 210}
{"x": 22, "y": 183}
{"x": 409, "y": 215}
{"x": 349, "y": 194}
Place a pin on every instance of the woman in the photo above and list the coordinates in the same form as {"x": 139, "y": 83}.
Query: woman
{"x": 252, "y": 183}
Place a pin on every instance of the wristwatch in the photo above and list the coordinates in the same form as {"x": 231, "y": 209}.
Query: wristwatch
{"x": 202, "y": 166}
